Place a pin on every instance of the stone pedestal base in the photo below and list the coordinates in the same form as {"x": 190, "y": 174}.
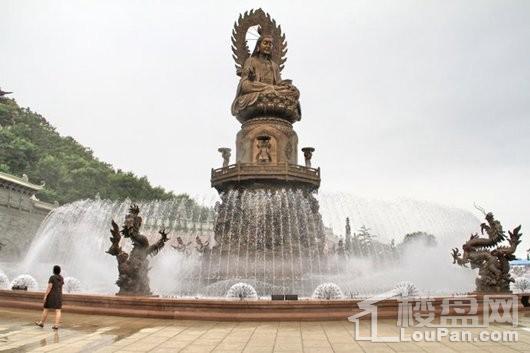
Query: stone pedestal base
{"x": 283, "y": 141}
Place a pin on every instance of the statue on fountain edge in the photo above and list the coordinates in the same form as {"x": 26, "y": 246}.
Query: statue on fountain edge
{"x": 133, "y": 268}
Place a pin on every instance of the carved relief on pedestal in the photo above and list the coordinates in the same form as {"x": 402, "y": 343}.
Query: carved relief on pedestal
{"x": 264, "y": 150}
{"x": 281, "y": 143}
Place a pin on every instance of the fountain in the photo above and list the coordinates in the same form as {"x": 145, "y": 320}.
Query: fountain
{"x": 269, "y": 229}
{"x": 266, "y": 236}
{"x": 182, "y": 268}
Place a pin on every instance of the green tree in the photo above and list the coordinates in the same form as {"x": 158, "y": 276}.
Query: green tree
{"x": 30, "y": 145}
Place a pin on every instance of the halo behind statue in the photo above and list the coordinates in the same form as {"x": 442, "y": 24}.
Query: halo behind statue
{"x": 268, "y": 25}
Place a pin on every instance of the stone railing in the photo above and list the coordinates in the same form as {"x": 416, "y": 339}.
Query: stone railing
{"x": 241, "y": 172}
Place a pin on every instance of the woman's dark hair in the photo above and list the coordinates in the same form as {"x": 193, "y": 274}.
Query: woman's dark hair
{"x": 56, "y": 269}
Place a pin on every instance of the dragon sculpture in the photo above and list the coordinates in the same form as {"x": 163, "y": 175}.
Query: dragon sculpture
{"x": 486, "y": 254}
{"x": 182, "y": 247}
{"x": 133, "y": 268}
{"x": 185, "y": 248}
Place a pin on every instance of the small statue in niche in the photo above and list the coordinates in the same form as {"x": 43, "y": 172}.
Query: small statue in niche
{"x": 225, "y": 153}
{"x": 264, "y": 149}
{"x": 308, "y": 154}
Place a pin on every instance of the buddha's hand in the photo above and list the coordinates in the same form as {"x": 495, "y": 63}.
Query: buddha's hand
{"x": 282, "y": 87}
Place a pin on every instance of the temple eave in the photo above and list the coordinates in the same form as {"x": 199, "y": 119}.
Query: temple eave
{"x": 19, "y": 183}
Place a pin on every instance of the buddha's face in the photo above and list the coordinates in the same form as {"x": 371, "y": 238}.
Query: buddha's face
{"x": 265, "y": 46}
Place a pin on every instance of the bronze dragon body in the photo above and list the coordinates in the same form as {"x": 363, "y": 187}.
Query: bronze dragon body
{"x": 133, "y": 268}
{"x": 486, "y": 254}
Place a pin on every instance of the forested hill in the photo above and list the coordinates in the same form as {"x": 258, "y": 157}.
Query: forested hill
{"x": 30, "y": 145}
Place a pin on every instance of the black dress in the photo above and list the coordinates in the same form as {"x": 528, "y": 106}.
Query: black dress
{"x": 54, "y": 300}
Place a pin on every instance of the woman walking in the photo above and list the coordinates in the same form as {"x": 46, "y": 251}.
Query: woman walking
{"x": 53, "y": 298}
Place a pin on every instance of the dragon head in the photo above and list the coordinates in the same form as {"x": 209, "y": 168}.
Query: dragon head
{"x": 132, "y": 222}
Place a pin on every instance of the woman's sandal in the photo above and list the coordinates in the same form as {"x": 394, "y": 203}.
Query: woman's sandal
{"x": 55, "y": 327}
{"x": 40, "y": 324}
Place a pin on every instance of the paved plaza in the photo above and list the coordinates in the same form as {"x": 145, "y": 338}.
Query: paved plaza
{"x": 91, "y": 333}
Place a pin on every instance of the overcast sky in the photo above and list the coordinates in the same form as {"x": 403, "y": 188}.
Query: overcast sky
{"x": 421, "y": 99}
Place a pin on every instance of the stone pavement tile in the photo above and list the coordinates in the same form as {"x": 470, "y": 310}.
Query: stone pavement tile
{"x": 261, "y": 342}
{"x": 251, "y": 349}
{"x": 175, "y": 345}
{"x": 125, "y": 342}
{"x": 524, "y": 337}
{"x": 152, "y": 339}
{"x": 323, "y": 342}
{"x": 198, "y": 349}
{"x": 290, "y": 334}
{"x": 312, "y": 331}
{"x": 351, "y": 347}
{"x": 376, "y": 347}
{"x": 151, "y": 329}
{"x": 267, "y": 325}
{"x": 37, "y": 337}
{"x": 230, "y": 346}
{"x": 340, "y": 339}
{"x": 278, "y": 348}
{"x": 72, "y": 342}
{"x": 239, "y": 336}
{"x": 405, "y": 347}
{"x": 288, "y": 341}
{"x": 217, "y": 333}
{"x": 71, "y": 349}
{"x": 89, "y": 334}
{"x": 439, "y": 349}
{"x": 237, "y": 339}
{"x": 108, "y": 349}
{"x": 520, "y": 346}
{"x": 429, "y": 344}
{"x": 288, "y": 338}
{"x": 499, "y": 348}
{"x": 139, "y": 347}
{"x": 205, "y": 339}
{"x": 168, "y": 332}
{"x": 318, "y": 350}
{"x": 163, "y": 350}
